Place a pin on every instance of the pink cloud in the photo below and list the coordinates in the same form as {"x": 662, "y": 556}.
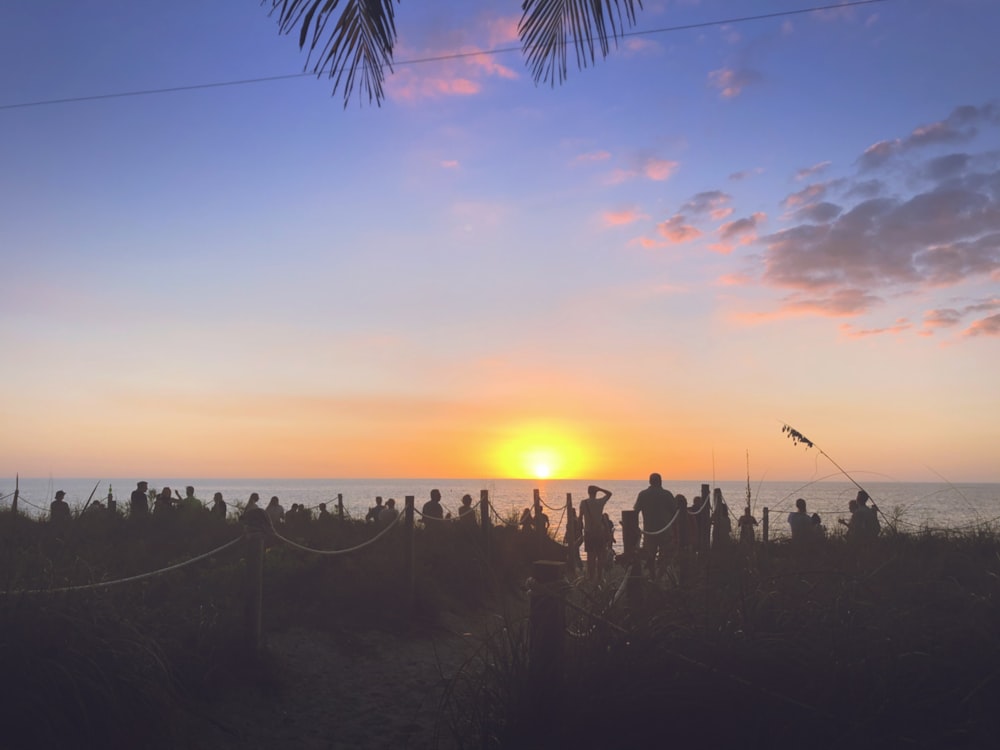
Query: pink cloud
{"x": 450, "y": 164}
{"x": 620, "y": 218}
{"x": 985, "y": 327}
{"x": 810, "y": 171}
{"x": 901, "y": 325}
{"x": 732, "y": 234}
{"x": 734, "y": 279}
{"x": 808, "y": 194}
{"x": 502, "y": 30}
{"x": 659, "y": 169}
{"x": 489, "y": 65}
{"x": 675, "y": 231}
{"x": 731, "y": 81}
{"x": 409, "y": 87}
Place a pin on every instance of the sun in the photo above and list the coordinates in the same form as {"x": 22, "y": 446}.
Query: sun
{"x": 540, "y": 451}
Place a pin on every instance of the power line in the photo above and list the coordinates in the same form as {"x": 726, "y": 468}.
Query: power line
{"x": 441, "y": 58}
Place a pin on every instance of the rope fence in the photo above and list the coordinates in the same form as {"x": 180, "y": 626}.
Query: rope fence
{"x": 129, "y": 579}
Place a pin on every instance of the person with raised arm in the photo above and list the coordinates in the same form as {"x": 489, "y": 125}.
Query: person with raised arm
{"x": 595, "y": 531}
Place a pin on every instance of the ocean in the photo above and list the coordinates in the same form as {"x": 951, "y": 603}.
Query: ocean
{"x": 913, "y": 505}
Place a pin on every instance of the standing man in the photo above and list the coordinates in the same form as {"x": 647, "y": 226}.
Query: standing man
{"x": 658, "y": 509}
{"x": 59, "y": 509}
{"x": 432, "y": 508}
{"x": 138, "y": 503}
{"x": 595, "y": 531}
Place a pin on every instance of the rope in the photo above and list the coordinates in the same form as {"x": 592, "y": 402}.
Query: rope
{"x": 660, "y": 531}
{"x": 130, "y": 579}
{"x": 348, "y": 551}
{"x": 432, "y": 518}
{"x": 704, "y": 502}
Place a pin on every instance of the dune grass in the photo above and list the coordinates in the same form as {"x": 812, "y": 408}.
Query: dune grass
{"x": 889, "y": 644}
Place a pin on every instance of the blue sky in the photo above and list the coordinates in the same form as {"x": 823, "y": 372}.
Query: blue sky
{"x": 648, "y": 267}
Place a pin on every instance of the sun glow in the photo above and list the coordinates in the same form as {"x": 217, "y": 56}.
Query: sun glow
{"x": 540, "y": 452}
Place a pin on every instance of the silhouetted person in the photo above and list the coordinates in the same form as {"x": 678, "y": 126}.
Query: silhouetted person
{"x": 138, "y": 502}
{"x": 722, "y": 527}
{"x": 189, "y": 502}
{"x": 164, "y": 503}
{"x": 866, "y": 518}
{"x": 59, "y": 509}
{"x": 657, "y": 506}
{"x": 372, "y": 514}
{"x": 800, "y": 523}
{"x": 275, "y": 511}
{"x": 818, "y": 529}
{"x": 389, "y": 513}
{"x": 540, "y": 521}
{"x": 852, "y": 508}
{"x": 746, "y": 525}
{"x": 253, "y": 503}
{"x": 323, "y": 515}
{"x": 218, "y": 506}
{"x": 525, "y": 521}
{"x": 466, "y": 512}
{"x": 432, "y": 508}
{"x": 595, "y": 531}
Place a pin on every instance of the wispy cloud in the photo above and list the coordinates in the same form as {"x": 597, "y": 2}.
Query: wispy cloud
{"x": 731, "y": 81}
{"x": 622, "y": 217}
{"x": 739, "y": 232}
{"x": 712, "y": 203}
{"x": 900, "y": 326}
{"x": 960, "y": 126}
{"x": 986, "y": 327}
{"x": 815, "y": 169}
{"x": 591, "y": 157}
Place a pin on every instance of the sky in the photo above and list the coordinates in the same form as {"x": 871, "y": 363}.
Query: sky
{"x": 651, "y": 266}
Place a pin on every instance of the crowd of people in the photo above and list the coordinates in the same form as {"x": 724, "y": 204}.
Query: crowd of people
{"x": 670, "y": 525}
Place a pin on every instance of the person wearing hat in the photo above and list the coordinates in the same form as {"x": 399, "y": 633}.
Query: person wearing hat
{"x": 59, "y": 509}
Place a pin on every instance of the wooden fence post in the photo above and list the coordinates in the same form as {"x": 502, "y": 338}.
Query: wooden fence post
{"x": 17, "y": 492}
{"x": 485, "y": 521}
{"x": 547, "y": 626}
{"x": 572, "y": 534}
{"x": 408, "y": 558}
{"x": 256, "y": 522}
{"x": 630, "y": 545}
{"x": 764, "y": 525}
{"x": 340, "y": 505}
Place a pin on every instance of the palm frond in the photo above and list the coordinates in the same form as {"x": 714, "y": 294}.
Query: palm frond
{"x": 549, "y": 27}
{"x": 356, "y": 52}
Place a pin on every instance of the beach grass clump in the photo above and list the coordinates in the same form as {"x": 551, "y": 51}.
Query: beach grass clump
{"x": 890, "y": 644}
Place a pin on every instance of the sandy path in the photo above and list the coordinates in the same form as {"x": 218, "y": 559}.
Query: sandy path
{"x": 367, "y": 689}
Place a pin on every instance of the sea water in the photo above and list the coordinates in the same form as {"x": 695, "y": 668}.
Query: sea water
{"x": 911, "y": 505}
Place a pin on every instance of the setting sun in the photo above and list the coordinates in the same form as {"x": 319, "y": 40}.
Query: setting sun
{"x": 541, "y": 451}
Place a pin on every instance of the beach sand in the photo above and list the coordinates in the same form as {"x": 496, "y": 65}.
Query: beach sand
{"x": 347, "y": 689}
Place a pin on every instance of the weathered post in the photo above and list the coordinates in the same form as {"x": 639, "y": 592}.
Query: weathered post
{"x": 340, "y": 505}
{"x": 408, "y": 559}
{"x": 764, "y": 525}
{"x": 257, "y": 524}
{"x": 572, "y": 534}
{"x": 547, "y": 627}
{"x": 630, "y": 545}
{"x": 484, "y": 519}
{"x": 17, "y": 493}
